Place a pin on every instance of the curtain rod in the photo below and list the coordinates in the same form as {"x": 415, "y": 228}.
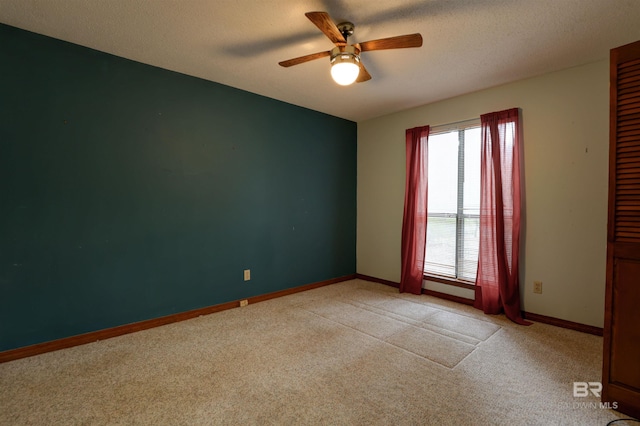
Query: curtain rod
{"x": 455, "y": 123}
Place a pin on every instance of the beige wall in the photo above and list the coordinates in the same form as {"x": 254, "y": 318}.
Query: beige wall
{"x": 565, "y": 123}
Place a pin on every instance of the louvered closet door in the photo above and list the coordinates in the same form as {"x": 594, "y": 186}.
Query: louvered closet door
{"x": 621, "y": 367}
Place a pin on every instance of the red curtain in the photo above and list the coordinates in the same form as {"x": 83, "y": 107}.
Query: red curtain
{"x": 497, "y": 282}
{"x": 414, "y": 222}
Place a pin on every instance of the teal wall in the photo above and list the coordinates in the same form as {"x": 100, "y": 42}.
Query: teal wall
{"x": 129, "y": 192}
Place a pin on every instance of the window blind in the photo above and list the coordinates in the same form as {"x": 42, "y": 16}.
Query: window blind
{"x": 453, "y": 201}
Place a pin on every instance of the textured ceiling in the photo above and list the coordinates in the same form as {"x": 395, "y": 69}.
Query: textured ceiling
{"x": 468, "y": 44}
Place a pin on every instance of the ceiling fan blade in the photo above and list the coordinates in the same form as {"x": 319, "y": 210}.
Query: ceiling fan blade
{"x": 326, "y": 25}
{"x": 303, "y": 59}
{"x": 364, "y": 75}
{"x": 398, "y": 42}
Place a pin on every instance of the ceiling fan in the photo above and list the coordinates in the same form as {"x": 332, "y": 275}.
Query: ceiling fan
{"x": 346, "y": 66}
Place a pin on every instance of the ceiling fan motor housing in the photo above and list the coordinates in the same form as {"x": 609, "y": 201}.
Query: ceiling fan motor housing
{"x": 346, "y": 29}
{"x": 345, "y": 53}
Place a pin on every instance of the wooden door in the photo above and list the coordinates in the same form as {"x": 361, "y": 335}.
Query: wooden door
{"x": 621, "y": 366}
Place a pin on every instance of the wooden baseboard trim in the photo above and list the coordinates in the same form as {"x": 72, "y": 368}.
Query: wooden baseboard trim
{"x": 306, "y": 287}
{"x": 378, "y": 280}
{"x": 584, "y": 328}
{"x": 446, "y": 296}
{"x": 424, "y": 290}
{"x": 589, "y": 329}
{"x": 94, "y": 336}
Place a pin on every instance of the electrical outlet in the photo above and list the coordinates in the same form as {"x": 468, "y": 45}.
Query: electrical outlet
{"x": 247, "y": 274}
{"x": 537, "y": 287}
{"x": 244, "y": 302}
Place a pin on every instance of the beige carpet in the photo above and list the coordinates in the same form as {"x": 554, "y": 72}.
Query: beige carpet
{"x": 351, "y": 353}
{"x": 413, "y": 325}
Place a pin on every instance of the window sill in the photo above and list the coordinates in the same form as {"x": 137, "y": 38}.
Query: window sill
{"x": 450, "y": 281}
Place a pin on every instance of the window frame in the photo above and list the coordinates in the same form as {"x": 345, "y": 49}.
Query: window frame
{"x": 460, "y": 127}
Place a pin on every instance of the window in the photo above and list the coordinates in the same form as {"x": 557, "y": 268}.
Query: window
{"x": 453, "y": 215}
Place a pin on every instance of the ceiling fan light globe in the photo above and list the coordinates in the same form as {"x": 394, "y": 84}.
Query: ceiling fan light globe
{"x": 345, "y": 73}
